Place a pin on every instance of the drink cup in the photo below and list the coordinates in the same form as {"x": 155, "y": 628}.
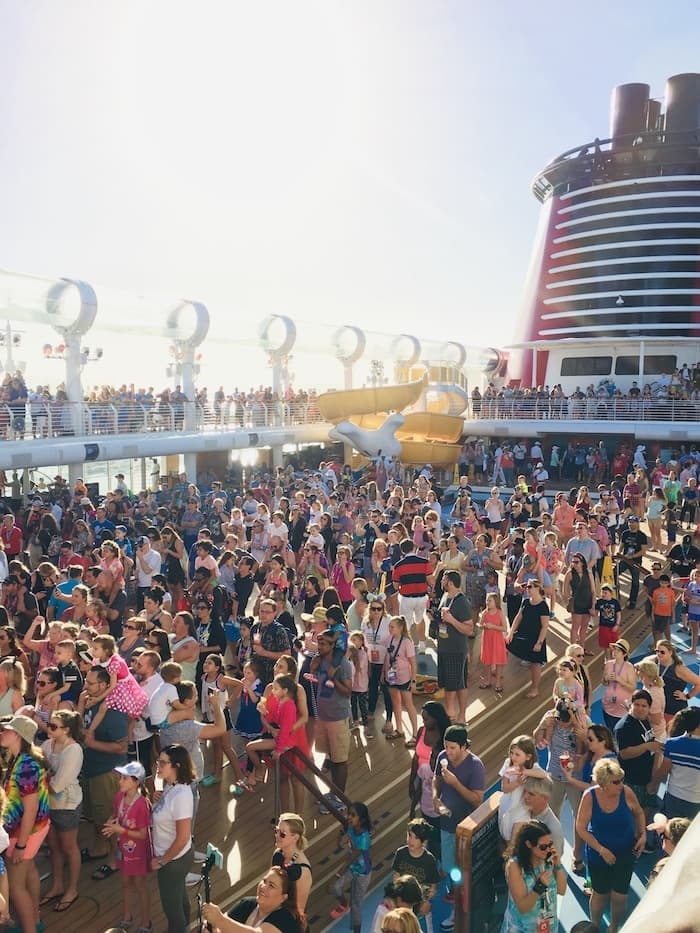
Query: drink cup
{"x": 565, "y": 761}
{"x": 158, "y": 783}
{"x": 256, "y": 639}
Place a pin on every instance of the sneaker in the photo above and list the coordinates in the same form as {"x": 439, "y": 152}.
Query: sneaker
{"x": 448, "y": 923}
{"x": 338, "y": 911}
{"x": 421, "y": 647}
{"x": 209, "y": 779}
{"x": 192, "y": 878}
{"x": 199, "y": 856}
{"x": 335, "y": 801}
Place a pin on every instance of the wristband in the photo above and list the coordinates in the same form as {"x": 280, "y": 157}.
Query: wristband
{"x": 538, "y": 887}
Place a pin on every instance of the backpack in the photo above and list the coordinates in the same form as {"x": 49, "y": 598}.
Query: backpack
{"x": 54, "y": 548}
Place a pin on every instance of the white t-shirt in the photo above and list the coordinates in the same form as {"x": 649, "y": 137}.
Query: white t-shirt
{"x": 149, "y": 687}
{"x": 160, "y": 702}
{"x": 177, "y": 803}
{"x": 152, "y": 559}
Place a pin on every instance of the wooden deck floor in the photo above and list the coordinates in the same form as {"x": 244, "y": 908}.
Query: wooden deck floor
{"x": 242, "y": 827}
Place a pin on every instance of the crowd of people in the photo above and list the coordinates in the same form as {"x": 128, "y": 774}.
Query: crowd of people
{"x": 675, "y": 394}
{"x": 45, "y": 412}
{"x": 277, "y": 620}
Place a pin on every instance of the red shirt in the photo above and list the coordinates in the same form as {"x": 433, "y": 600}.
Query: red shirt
{"x": 12, "y": 539}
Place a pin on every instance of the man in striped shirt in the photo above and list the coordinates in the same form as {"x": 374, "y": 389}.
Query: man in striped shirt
{"x": 410, "y": 575}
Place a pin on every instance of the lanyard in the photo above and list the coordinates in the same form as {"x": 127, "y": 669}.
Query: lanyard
{"x": 393, "y": 654}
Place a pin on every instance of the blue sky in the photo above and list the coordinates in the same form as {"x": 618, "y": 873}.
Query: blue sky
{"x": 360, "y": 162}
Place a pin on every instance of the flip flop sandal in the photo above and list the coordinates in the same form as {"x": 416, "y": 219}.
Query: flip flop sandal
{"x": 393, "y": 735}
{"x": 483, "y": 686}
{"x": 63, "y": 906}
{"x": 49, "y": 899}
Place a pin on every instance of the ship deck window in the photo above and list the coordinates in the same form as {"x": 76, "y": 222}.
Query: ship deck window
{"x": 586, "y": 366}
{"x": 653, "y": 365}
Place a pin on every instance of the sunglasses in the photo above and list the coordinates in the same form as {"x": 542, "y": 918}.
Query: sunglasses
{"x": 375, "y": 608}
{"x": 42, "y": 683}
{"x": 52, "y": 727}
{"x": 153, "y": 644}
{"x": 280, "y": 832}
{"x": 617, "y": 782}
{"x": 545, "y": 847}
{"x": 132, "y": 628}
{"x": 529, "y": 586}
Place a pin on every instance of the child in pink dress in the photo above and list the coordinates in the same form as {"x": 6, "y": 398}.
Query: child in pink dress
{"x": 130, "y": 824}
{"x": 494, "y": 654}
{"x": 279, "y": 715}
{"x": 124, "y": 693}
{"x": 110, "y": 562}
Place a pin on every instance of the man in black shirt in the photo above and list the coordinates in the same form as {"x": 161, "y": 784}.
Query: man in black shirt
{"x": 631, "y": 550}
{"x": 415, "y": 859}
{"x": 637, "y": 747}
{"x": 684, "y": 557}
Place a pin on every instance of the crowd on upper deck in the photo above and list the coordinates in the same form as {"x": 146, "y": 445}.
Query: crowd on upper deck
{"x": 678, "y": 392}
{"x": 43, "y": 412}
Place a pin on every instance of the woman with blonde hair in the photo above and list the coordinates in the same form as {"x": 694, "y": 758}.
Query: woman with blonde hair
{"x": 290, "y": 845}
{"x": 12, "y": 686}
{"x": 400, "y": 920}
{"x": 612, "y": 825}
{"x": 648, "y": 672}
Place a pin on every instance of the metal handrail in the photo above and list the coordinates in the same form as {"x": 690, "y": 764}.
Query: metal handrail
{"x": 64, "y": 419}
{"x": 586, "y": 409}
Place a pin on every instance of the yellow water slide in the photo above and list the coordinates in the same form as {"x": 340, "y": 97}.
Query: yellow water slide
{"x": 426, "y": 436}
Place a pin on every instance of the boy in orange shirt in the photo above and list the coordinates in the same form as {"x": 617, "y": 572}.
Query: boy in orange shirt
{"x": 662, "y": 606}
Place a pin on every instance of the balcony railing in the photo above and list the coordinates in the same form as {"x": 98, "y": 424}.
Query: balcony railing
{"x": 587, "y": 409}
{"x": 65, "y": 419}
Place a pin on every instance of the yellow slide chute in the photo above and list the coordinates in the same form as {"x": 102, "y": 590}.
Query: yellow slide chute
{"x": 426, "y": 436}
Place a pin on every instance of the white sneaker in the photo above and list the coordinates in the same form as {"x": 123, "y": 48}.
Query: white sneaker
{"x": 448, "y": 923}
{"x": 192, "y": 878}
{"x": 199, "y": 856}
{"x": 421, "y": 647}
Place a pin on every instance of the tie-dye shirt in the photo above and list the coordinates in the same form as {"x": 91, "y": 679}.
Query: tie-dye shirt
{"x": 26, "y": 777}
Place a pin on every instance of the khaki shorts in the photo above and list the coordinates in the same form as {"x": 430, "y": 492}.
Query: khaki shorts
{"x": 98, "y": 797}
{"x": 333, "y": 739}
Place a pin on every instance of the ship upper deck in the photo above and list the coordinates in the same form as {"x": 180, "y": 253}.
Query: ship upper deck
{"x": 634, "y": 158}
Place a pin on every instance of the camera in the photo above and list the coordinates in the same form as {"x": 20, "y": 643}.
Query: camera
{"x": 563, "y": 713}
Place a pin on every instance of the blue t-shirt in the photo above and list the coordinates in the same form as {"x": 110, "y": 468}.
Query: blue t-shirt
{"x": 471, "y": 774}
{"x": 360, "y": 841}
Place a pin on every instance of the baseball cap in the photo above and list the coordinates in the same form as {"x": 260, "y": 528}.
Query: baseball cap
{"x": 144, "y": 539}
{"x": 132, "y": 769}
{"x": 23, "y": 726}
{"x": 122, "y": 528}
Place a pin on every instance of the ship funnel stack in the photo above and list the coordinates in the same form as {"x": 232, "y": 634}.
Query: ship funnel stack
{"x": 628, "y": 112}
{"x": 616, "y": 262}
{"x": 683, "y": 104}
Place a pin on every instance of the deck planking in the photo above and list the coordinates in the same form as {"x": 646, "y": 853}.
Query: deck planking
{"x": 378, "y": 775}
